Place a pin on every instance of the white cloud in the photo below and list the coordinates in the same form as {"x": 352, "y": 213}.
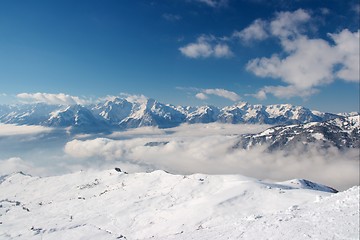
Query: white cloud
{"x": 347, "y": 48}
{"x": 209, "y": 149}
{"x": 305, "y": 63}
{"x": 206, "y": 46}
{"x": 12, "y": 130}
{"x": 134, "y": 97}
{"x": 222, "y": 50}
{"x": 310, "y": 64}
{"x": 256, "y": 31}
{"x": 289, "y": 24}
{"x": 283, "y": 92}
{"x": 16, "y": 164}
{"x": 223, "y": 93}
{"x": 201, "y": 96}
{"x": 197, "y": 50}
{"x": 129, "y": 97}
{"x": 214, "y": 3}
{"x": 49, "y": 98}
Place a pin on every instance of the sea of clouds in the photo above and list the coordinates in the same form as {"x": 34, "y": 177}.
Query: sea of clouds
{"x": 198, "y": 148}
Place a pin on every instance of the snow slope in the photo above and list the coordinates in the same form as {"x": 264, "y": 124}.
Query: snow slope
{"x": 159, "y": 205}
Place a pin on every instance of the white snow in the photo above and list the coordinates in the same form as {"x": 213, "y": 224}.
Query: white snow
{"x": 158, "y": 205}
{"x": 318, "y": 136}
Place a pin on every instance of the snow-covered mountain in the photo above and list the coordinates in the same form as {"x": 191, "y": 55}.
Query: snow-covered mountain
{"x": 27, "y": 114}
{"x": 158, "y": 205}
{"x": 272, "y": 114}
{"x": 79, "y": 117}
{"x": 122, "y": 114}
{"x": 341, "y": 132}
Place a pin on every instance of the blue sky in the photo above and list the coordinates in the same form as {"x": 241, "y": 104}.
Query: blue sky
{"x": 188, "y": 52}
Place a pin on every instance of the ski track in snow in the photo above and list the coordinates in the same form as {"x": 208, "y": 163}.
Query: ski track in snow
{"x": 159, "y": 205}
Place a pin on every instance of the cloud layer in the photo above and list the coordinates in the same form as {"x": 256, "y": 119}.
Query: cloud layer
{"x": 212, "y": 152}
{"x": 205, "y": 148}
{"x": 49, "y": 98}
{"x": 12, "y": 130}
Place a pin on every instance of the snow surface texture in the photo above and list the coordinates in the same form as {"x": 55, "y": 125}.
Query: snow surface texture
{"x": 157, "y": 205}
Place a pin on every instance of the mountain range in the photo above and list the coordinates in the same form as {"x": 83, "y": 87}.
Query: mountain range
{"x": 120, "y": 114}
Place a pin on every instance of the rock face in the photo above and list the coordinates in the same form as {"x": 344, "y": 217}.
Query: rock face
{"x": 342, "y": 132}
{"x": 119, "y": 114}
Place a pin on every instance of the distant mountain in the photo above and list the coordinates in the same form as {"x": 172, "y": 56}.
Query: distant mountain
{"x": 341, "y": 132}
{"x": 119, "y": 114}
{"x": 26, "y": 114}
{"x": 271, "y": 114}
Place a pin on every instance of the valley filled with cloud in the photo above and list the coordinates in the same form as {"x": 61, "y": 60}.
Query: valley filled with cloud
{"x": 187, "y": 149}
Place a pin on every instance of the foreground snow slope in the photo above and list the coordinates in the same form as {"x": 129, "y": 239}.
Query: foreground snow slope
{"x": 158, "y": 205}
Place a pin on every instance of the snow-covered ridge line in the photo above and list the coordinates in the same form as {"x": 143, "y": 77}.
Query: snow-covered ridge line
{"x": 114, "y": 205}
{"x": 122, "y": 114}
{"x": 341, "y": 132}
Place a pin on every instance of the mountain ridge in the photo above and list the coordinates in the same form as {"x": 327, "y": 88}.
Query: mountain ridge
{"x": 121, "y": 114}
{"x": 341, "y": 133}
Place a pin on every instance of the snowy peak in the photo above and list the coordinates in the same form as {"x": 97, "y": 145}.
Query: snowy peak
{"x": 114, "y": 111}
{"x": 271, "y": 114}
{"x": 120, "y": 113}
{"x": 203, "y": 114}
{"x": 78, "y": 117}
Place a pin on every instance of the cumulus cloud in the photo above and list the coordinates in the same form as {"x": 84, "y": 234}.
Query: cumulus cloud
{"x": 256, "y": 31}
{"x": 50, "y": 98}
{"x": 289, "y": 24}
{"x": 306, "y": 64}
{"x": 218, "y": 92}
{"x": 212, "y": 152}
{"x": 206, "y": 46}
{"x": 347, "y": 49}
